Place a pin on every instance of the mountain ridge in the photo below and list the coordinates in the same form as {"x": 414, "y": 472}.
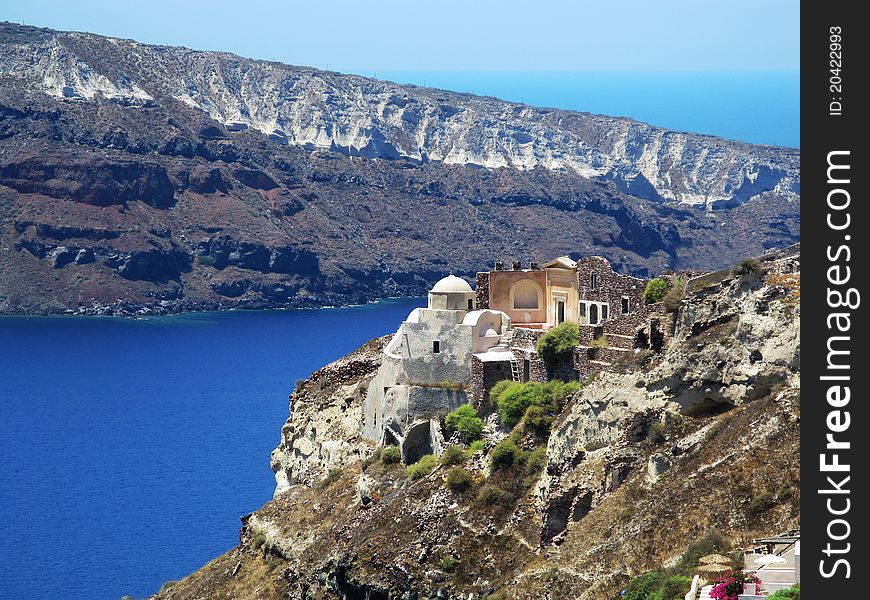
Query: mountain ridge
{"x": 120, "y": 195}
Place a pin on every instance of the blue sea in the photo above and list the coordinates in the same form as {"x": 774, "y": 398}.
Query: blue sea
{"x": 762, "y": 107}
{"x": 129, "y": 448}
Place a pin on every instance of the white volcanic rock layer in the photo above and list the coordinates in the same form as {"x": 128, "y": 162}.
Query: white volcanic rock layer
{"x": 377, "y": 119}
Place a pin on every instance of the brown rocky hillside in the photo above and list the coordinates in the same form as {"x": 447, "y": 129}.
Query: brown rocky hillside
{"x": 702, "y": 438}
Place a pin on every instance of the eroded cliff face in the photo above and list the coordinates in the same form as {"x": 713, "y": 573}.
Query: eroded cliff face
{"x": 138, "y": 179}
{"x": 701, "y": 438}
{"x": 323, "y": 430}
{"x": 359, "y": 116}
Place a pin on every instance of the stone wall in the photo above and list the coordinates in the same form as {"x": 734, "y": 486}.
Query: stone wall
{"x": 484, "y": 375}
{"x": 610, "y": 287}
{"x": 483, "y": 290}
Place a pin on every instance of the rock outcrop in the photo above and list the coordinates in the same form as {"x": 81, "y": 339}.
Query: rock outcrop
{"x": 322, "y": 432}
{"x": 639, "y": 465}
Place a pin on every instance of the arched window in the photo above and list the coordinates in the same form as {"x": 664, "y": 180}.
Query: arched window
{"x": 525, "y": 295}
{"x": 593, "y": 281}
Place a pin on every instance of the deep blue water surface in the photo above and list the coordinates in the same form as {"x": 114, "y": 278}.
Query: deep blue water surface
{"x": 129, "y": 448}
{"x": 762, "y": 107}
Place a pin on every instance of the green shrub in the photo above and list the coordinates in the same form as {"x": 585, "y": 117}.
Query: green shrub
{"x": 505, "y": 454}
{"x": 422, "y": 467}
{"x": 658, "y": 586}
{"x": 536, "y": 461}
{"x": 464, "y": 420}
{"x": 458, "y": 479}
{"x": 515, "y": 400}
{"x": 449, "y": 563}
{"x": 655, "y": 290}
{"x": 761, "y": 503}
{"x": 391, "y": 455}
{"x": 784, "y": 492}
{"x": 792, "y": 593}
{"x": 656, "y": 433}
{"x": 748, "y": 266}
{"x": 474, "y": 447}
{"x": 558, "y": 341}
{"x": 710, "y": 543}
{"x": 453, "y": 455}
{"x": 205, "y": 260}
{"x": 499, "y": 388}
{"x": 490, "y": 495}
{"x": 599, "y": 342}
{"x": 674, "y": 297}
{"x": 258, "y": 540}
{"x": 537, "y": 420}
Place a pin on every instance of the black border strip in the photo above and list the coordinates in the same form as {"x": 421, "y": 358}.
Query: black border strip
{"x": 835, "y": 232}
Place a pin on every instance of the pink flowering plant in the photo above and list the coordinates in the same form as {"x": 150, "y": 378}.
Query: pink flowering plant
{"x": 730, "y": 585}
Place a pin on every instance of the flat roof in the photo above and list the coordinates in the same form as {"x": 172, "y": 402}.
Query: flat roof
{"x": 499, "y": 356}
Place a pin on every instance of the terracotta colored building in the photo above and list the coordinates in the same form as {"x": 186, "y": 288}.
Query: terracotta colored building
{"x": 586, "y": 292}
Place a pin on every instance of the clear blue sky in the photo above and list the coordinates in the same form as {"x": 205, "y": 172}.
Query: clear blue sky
{"x": 364, "y": 37}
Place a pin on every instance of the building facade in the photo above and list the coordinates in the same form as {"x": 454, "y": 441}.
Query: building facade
{"x": 426, "y": 368}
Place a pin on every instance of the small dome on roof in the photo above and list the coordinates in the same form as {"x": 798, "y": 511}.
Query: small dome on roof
{"x": 452, "y": 283}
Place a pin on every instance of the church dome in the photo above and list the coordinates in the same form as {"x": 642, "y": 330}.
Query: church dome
{"x": 452, "y": 283}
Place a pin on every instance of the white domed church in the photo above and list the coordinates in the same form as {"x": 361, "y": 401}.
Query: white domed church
{"x": 426, "y": 368}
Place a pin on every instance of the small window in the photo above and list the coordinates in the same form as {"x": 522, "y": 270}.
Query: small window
{"x": 625, "y": 305}
{"x": 470, "y": 304}
{"x": 582, "y": 310}
{"x": 605, "y": 309}
{"x": 593, "y": 281}
{"x": 436, "y": 347}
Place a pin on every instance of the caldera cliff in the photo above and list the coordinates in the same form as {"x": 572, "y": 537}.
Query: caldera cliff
{"x": 139, "y": 179}
{"x": 665, "y": 449}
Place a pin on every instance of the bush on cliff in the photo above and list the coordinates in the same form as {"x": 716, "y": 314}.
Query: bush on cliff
{"x": 675, "y": 295}
{"x": 453, "y": 455}
{"x": 655, "y": 290}
{"x": 422, "y": 467}
{"x": 458, "y": 479}
{"x": 658, "y": 586}
{"x": 506, "y": 454}
{"x": 464, "y": 420}
{"x": 792, "y": 593}
{"x": 499, "y": 388}
{"x": 516, "y": 399}
{"x": 391, "y": 455}
{"x": 558, "y": 341}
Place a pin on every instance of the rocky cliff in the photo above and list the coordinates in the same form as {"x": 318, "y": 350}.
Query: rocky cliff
{"x": 641, "y": 463}
{"x": 149, "y": 179}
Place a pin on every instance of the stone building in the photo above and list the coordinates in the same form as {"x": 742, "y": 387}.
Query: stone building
{"x": 605, "y": 305}
{"x": 587, "y": 292}
{"x": 464, "y": 341}
{"x": 426, "y": 368}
